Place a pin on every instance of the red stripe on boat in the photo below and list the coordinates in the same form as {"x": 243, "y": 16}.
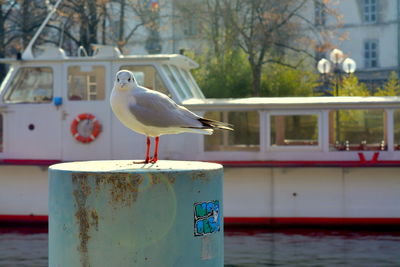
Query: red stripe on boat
{"x": 24, "y": 219}
{"x": 34, "y": 162}
{"x": 324, "y": 163}
{"x": 309, "y": 221}
{"x": 260, "y": 163}
{"x": 247, "y": 221}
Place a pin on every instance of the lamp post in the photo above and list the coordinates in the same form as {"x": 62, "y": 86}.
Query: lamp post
{"x": 324, "y": 67}
{"x": 336, "y": 59}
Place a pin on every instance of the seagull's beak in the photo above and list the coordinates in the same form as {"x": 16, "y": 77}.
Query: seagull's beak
{"x": 122, "y": 84}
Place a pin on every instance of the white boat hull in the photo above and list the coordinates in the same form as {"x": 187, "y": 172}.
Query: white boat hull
{"x": 266, "y": 196}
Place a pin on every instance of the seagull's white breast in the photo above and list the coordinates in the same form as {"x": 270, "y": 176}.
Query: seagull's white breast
{"x": 120, "y": 102}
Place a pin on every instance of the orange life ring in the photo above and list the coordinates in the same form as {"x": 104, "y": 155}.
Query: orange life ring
{"x": 95, "y": 130}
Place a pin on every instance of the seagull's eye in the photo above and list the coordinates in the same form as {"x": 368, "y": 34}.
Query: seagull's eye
{"x": 129, "y": 79}
{"x": 117, "y": 79}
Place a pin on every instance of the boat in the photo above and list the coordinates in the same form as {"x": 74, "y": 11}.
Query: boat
{"x": 290, "y": 160}
{"x": 309, "y": 161}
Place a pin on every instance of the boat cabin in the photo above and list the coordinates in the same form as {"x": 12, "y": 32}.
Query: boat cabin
{"x": 56, "y": 108}
{"x": 41, "y": 97}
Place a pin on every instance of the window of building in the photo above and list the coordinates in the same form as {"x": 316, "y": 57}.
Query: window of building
{"x": 294, "y": 130}
{"x": 246, "y": 134}
{"x": 370, "y": 11}
{"x": 371, "y": 53}
{"x": 319, "y": 12}
{"x": 357, "y": 130}
{"x": 190, "y": 27}
{"x": 148, "y": 77}
{"x": 31, "y": 85}
{"x": 86, "y": 83}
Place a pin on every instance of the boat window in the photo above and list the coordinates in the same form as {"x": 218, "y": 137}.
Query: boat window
{"x": 245, "y": 136}
{"x": 294, "y": 130}
{"x": 31, "y": 85}
{"x": 148, "y": 77}
{"x": 174, "y": 82}
{"x": 193, "y": 85}
{"x": 86, "y": 83}
{"x": 357, "y": 130}
{"x": 183, "y": 81}
{"x": 396, "y": 117}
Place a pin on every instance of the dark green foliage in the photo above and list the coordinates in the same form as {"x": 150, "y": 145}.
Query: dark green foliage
{"x": 230, "y": 77}
{"x": 227, "y": 77}
{"x": 279, "y": 80}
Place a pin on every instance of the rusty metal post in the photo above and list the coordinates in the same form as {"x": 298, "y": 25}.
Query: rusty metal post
{"x": 116, "y": 213}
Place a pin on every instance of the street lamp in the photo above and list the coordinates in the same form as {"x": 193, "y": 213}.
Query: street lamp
{"x": 324, "y": 67}
{"x": 336, "y": 59}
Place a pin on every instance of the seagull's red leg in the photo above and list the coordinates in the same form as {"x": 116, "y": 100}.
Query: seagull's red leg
{"x": 147, "y": 160}
{"x": 155, "y": 158}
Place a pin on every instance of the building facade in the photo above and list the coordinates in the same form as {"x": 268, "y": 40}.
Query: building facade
{"x": 371, "y": 33}
{"x": 368, "y": 31}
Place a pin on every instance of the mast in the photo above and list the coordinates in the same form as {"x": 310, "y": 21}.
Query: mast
{"x": 28, "y": 54}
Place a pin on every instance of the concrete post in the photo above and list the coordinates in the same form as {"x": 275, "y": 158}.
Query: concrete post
{"x": 116, "y": 213}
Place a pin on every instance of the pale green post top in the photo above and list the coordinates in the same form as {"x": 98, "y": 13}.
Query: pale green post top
{"x": 133, "y": 165}
{"x": 121, "y": 213}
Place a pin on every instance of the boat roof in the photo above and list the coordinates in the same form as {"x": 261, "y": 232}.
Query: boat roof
{"x": 103, "y": 53}
{"x": 282, "y": 103}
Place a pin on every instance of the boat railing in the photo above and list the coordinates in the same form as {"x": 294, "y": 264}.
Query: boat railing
{"x": 82, "y": 52}
{"x": 260, "y": 128}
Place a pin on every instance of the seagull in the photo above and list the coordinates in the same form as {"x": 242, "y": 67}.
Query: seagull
{"x": 153, "y": 114}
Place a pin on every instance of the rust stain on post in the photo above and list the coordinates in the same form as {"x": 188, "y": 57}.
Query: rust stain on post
{"x": 95, "y": 219}
{"x": 155, "y": 179}
{"x": 123, "y": 191}
{"x": 200, "y": 176}
{"x": 171, "y": 179}
{"x": 81, "y": 192}
{"x": 123, "y": 187}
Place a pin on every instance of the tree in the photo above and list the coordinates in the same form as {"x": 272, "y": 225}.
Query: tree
{"x": 279, "y": 80}
{"x": 269, "y": 32}
{"x": 6, "y": 8}
{"x": 82, "y": 17}
{"x": 19, "y": 19}
{"x": 350, "y": 86}
{"x": 217, "y": 36}
{"x": 391, "y": 87}
{"x": 144, "y": 14}
{"x": 223, "y": 79}
{"x": 79, "y": 23}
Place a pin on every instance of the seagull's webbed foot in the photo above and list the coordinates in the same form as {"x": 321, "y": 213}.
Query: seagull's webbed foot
{"x": 141, "y": 162}
{"x": 153, "y": 160}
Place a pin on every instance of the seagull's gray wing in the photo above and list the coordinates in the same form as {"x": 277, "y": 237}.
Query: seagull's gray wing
{"x": 157, "y": 110}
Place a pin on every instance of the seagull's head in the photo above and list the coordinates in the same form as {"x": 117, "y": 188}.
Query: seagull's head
{"x": 124, "y": 80}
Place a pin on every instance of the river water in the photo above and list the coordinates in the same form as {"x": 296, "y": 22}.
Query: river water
{"x": 247, "y": 248}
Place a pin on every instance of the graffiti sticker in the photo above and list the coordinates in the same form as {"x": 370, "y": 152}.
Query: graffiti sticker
{"x": 207, "y": 217}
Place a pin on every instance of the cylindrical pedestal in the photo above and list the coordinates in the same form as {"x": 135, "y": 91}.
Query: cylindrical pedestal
{"x": 118, "y": 213}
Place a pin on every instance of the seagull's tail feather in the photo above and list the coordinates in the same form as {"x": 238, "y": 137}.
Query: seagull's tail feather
{"x": 212, "y": 124}
{"x": 199, "y": 130}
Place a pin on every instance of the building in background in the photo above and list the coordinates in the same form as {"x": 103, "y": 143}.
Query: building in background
{"x": 372, "y": 35}
{"x": 368, "y": 32}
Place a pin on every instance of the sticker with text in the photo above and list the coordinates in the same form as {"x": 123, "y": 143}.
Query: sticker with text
{"x": 207, "y": 217}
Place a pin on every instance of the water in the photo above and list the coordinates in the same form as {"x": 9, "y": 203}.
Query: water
{"x": 25, "y": 247}
{"x": 312, "y": 248}
{"x": 248, "y": 248}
